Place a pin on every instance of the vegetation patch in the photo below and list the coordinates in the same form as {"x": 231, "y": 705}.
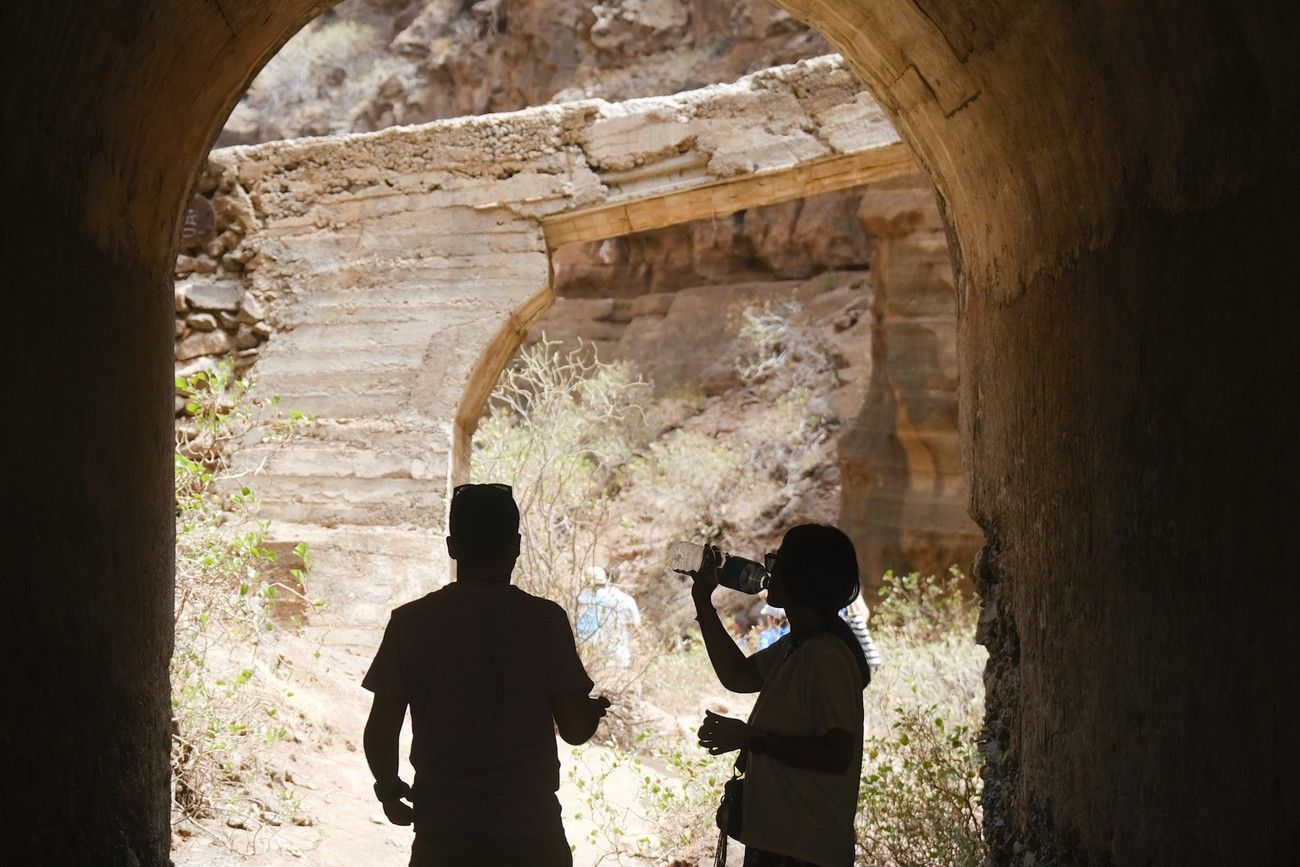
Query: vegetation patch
{"x": 233, "y": 592}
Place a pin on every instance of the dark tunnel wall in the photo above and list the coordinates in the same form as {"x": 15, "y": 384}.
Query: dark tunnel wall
{"x": 1119, "y": 181}
{"x": 109, "y": 108}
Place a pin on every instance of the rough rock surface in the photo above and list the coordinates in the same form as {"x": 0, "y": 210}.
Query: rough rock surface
{"x": 355, "y": 333}
{"x": 369, "y": 64}
{"x": 903, "y": 497}
{"x": 218, "y": 315}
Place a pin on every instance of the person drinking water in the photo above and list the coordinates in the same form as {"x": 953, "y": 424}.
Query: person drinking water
{"x": 801, "y": 748}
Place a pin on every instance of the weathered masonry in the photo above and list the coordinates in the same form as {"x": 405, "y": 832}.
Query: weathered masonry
{"x": 403, "y": 267}
{"x": 1118, "y": 182}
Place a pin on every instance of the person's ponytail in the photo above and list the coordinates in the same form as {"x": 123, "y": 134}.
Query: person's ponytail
{"x": 836, "y": 625}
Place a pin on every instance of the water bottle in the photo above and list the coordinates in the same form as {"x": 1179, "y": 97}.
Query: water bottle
{"x": 735, "y": 572}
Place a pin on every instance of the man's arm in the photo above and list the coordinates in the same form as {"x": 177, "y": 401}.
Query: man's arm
{"x": 383, "y": 730}
{"x": 576, "y": 715}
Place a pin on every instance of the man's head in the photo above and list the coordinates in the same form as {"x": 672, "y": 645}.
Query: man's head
{"x": 484, "y": 526}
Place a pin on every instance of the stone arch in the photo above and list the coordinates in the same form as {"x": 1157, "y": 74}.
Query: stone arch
{"x": 1120, "y": 189}
{"x": 404, "y": 266}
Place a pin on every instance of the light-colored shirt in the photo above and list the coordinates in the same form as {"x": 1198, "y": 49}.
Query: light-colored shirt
{"x": 809, "y": 688}
{"x": 478, "y": 664}
{"x": 606, "y": 615}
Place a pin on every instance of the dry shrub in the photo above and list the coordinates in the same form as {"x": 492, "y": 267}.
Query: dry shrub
{"x": 919, "y": 800}
{"x": 560, "y": 430}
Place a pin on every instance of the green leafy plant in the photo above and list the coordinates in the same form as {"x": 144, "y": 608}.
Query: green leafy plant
{"x": 925, "y": 607}
{"x": 225, "y": 609}
{"x": 918, "y": 804}
{"x": 919, "y": 798}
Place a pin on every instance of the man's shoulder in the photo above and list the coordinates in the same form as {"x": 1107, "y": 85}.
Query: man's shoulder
{"x": 540, "y": 604}
{"x": 419, "y": 609}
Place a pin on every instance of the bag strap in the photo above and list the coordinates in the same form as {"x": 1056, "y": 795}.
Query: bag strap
{"x": 737, "y": 771}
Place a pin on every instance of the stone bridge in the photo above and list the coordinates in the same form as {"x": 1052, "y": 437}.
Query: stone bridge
{"x": 403, "y": 268}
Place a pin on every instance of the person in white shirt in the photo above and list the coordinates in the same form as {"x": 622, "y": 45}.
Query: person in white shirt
{"x": 607, "y": 616}
{"x": 803, "y": 741}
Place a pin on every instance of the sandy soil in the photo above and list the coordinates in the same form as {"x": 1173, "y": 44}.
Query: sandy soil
{"x": 328, "y": 770}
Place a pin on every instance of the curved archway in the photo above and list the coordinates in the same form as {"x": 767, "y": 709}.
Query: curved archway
{"x": 1119, "y": 188}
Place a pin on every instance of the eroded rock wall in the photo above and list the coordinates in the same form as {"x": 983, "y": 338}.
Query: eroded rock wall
{"x": 905, "y": 500}
{"x": 218, "y": 315}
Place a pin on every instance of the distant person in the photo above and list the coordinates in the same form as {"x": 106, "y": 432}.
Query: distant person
{"x": 489, "y": 673}
{"x": 803, "y": 741}
{"x": 774, "y": 627}
{"x": 855, "y": 615}
{"x": 607, "y": 615}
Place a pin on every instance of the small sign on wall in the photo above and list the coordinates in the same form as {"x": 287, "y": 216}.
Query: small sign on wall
{"x": 199, "y": 225}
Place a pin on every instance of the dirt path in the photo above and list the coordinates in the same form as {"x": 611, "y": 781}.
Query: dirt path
{"x": 332, "y": 781}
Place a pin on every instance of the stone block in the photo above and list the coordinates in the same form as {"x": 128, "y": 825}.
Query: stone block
{"x": 252, "y": 310}
{"x": 245, "y": 338}
{"x": 201, "y": 322}
{"x": 203, "y": 343}
{"x": 653, "y": 304}
{"x": 581, "y": 309}
{"x": 212, "y": 295}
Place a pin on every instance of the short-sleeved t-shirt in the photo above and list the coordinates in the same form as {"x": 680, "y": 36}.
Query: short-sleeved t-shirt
{"x": 809, "y": 688}
{"x": 478, "y": 664}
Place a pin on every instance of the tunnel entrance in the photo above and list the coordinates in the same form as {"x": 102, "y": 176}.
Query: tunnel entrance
{"x": 296, "y": 263}
{"x": 1119, "y": 192}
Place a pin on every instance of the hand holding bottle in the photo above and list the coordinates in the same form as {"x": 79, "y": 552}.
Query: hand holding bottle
{"x": 707, "y": 564}
{"x": 705, "y": 575}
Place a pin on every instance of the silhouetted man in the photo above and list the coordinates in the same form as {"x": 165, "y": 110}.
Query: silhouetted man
{"x": 489, "y": 673}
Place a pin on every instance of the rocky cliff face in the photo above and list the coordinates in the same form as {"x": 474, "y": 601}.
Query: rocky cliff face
{"x": 871, "y": 272}
{"x": 904, "y": 498}
{"x": 370, "y": 64}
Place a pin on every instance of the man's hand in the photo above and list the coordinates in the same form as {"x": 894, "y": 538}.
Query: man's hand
{"x": 399, "y": 812}
{"x": 393, "y": 797}
{"x": 723, "y": 734}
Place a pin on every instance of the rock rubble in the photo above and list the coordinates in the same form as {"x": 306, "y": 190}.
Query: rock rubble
{"x": 219, "y": 315}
